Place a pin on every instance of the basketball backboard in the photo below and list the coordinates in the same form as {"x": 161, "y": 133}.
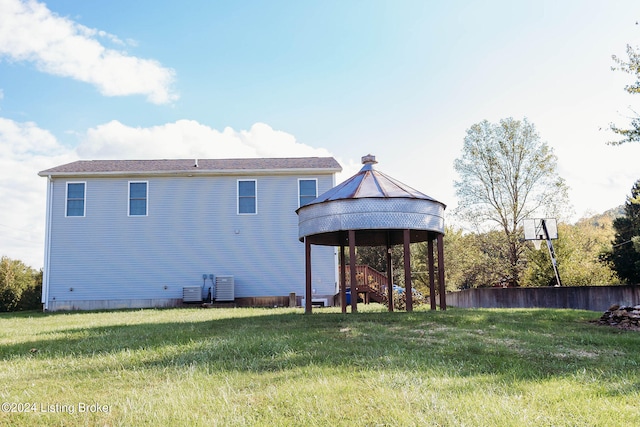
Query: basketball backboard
{"x": 534, "y": 230}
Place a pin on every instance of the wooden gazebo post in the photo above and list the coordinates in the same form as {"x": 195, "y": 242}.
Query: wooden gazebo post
{"x": 352, "y": 271}
{"x": 432, "y": 270}
{"x": 406, "y": 238}
{"x": 308, "y": 289}
{"x": 389, "y": 275}
{"x": 343, "y": 279}
{"x": 443, "y": 294}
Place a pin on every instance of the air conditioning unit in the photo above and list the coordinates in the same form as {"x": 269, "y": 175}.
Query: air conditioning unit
{"x": 192, "y": 294}
{"x": 225, "y": 288}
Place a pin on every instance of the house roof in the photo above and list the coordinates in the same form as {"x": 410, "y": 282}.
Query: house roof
{"x": 193, "y": 166}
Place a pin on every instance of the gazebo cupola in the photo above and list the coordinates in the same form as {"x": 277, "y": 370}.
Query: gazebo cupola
{"x": 373, "y": 209}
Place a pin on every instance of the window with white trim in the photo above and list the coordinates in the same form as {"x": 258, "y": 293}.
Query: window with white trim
{"x": 307, "y": 191}
{"x": 75, "y": 199}
{"x": 138, "y": 195}
{"x": 247, "y": 196}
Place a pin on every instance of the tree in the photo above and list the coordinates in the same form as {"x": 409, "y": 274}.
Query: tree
{"x": 20, "y": 286}
{"x": 507, "y": 174}
{"x": 625, "y": 255}
{"x": 631, "y": 66}
{"x": 471, "y": 260}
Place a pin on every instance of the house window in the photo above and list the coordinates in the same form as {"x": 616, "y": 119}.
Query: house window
{"x": 307, "y": 190}
{"x": 75, "y": 198}
{"x": 138, "y": 198}
{"x": 247, "y": 200}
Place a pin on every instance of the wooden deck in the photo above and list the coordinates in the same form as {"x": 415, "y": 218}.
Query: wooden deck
{"x": 370, "y": 283}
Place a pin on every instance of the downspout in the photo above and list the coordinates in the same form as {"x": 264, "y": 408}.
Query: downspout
{"x": 47, "y": 245}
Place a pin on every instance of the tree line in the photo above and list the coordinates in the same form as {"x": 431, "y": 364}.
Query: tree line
{"x": 603, "y": 249}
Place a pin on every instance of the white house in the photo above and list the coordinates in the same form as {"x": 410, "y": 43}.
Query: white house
{"x": 148, "y": 233}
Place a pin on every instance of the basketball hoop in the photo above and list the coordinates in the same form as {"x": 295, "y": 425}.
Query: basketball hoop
{"x": 543, "y": 229}
{"x": 534, "y": 229}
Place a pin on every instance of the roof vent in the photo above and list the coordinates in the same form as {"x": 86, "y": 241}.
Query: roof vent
{"x": 369, "y": 159}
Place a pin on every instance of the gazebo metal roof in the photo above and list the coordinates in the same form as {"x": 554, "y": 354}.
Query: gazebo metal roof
{"x": 377, "y": 206}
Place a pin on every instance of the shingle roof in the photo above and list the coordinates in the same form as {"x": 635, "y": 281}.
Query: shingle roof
{"x": 178, "y": 166}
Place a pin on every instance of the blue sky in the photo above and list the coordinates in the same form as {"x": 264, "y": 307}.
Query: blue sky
{"x": 400, "y": 79}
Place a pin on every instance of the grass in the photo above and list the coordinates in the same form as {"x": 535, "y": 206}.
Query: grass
{"x": 278, "y": 367}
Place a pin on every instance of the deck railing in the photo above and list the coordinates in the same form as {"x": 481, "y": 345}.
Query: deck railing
{"x": 368, "y": 280}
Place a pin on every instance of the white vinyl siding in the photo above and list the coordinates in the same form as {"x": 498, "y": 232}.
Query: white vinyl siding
{"x": 75, "y": 196}
{"x": 247, "y": 196}
{"x": 192, "y": 228}
{"x": 138, "y": 197}
{"x": 307, "y": 191}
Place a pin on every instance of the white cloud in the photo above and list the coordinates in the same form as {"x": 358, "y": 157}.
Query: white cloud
{"x": 26, "y": 149}
{"x": 188, "y": 138}
{"x": 29, "y": 31}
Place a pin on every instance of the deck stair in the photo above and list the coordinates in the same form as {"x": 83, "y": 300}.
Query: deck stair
{"x": 370, "y": 283}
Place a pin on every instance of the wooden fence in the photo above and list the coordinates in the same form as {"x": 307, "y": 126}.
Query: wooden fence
{"x": 595, "y": 298}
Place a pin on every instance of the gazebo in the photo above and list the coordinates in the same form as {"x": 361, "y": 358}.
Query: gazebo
{"x": 373, "y": 209}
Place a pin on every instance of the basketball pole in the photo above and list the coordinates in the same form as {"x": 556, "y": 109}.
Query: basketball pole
{"x": 552, "y": 253}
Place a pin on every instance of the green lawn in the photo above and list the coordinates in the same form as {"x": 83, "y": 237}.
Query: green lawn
{"x": 279, "y": 367}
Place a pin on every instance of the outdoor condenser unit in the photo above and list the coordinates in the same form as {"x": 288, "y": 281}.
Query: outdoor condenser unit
{"x": 192, "y": 294}
{"x": 225, "y": 290}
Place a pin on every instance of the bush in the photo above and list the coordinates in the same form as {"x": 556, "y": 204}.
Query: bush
{"x": 400, "y": 300}
{"x": 20, "y": 286}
